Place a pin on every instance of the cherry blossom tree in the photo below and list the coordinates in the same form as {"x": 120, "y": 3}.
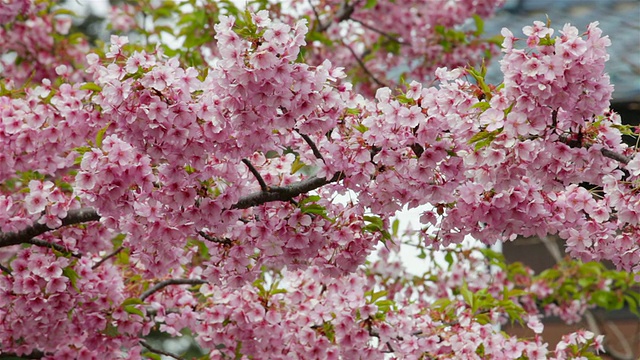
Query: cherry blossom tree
{"x": 194, "y": 190}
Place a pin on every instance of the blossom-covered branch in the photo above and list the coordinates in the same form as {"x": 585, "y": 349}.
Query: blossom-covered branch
{"x": 73, "y": 217}
{"x": 159, "y": 286}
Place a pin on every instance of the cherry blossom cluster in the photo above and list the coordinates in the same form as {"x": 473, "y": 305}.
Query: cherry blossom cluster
{"x": 507, "y": 162}
{"x": 159, "y": 176}
{"x": 127, "y": 175}
{"x": 34, "y": 45}
{"x": 13, "y": 8}
{"x": 77, "y": 308}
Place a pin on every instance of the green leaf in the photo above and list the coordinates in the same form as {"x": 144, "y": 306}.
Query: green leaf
{"x": 100, "y": 135}
{"x": 606, "y": 299}
{"x": 632, "y": 303}
{"x": 448, "y": 257}
{"x": 547, "y": 41}
{"x": 374, "y": 220}
{"x": 73, "y": 276}
{"x": 479, "y": 25}
{"x": 91, "y": 86}
{"x": 132, "y": 301}
{"x": 394, "y": 227}
{"x": 482, "y": 105}
{"x": 441, "y": 304}
{"x": 150, "y": 355}
{"x": 361, "y": 128}
{"x": 384, "y": 305}
{"x": 484, "y": 138}
{"x": 467, "y": 295}
{"x": 370, "y": 4}
{"x": 308, "y": 199}
{"x": 163, "y": 28}
{"x": 117, "y": 240}
{"x": 376, "y": 295}
{"x": 314, "y": 209}
{"x": 296, "y": 165}
{"x": 131, "y": 309}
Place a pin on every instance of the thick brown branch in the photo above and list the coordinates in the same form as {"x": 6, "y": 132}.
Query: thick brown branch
{"x": 161, "y": 285}
{"x": 284, "y": 193}
{"x": 254, "y": 171}
{"x": 78, "y": 216}
{"x": 34, "y": 355}
{"x": 615, "y": 156}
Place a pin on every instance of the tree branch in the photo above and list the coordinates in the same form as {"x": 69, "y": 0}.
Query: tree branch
{"x": 312, "y": 145}
{"x": 84, "y": 215}
{"x": 158, "y": 351}
{"x": 615, "y": 156}
{"x": 216, "y": 240}
{"x": 5, "y": 269}
{"x": 35, "y": 354}
{"x": 344, "y": 13}
{"x": 364, "y": 67}
{"x": 263, "y": 185}
{"x": 58, "y": 247}
{"x": 388, "y": 36}
{"x": 315, "y": 13}
{"x": 24, "y": 236}
{"x": 284, "y": 193}
{"x": 114, "y": 253}
{"x": 161, "y": 285}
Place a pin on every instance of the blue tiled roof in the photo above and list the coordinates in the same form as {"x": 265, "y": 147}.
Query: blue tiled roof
{"x": 620, "y": 19}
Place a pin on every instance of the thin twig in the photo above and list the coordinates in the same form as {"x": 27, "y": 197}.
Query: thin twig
{"x": 364, "y": 67}
{"x": 213, "y": 239}
{"x": 114, "y": 253}
{"x": 58, "y": 247}
{"x": 161, "y": 285}
{"x": 263, "y": 185}
{"x": 344, "y": 13}
{"x": 5, "y": 269}
{"x": 158, "y": 351}
{"x": 388, "y": 36}
{"x": 315, "y": 12}
{"x": 312, "y": 145}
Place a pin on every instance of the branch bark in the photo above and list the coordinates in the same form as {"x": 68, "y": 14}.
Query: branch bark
{"x": 161, "y": 285}
{"x": 364, "y": 67}
{"x": 74, "y": 217}
{"x": 615, "y": 156}
{"x": 158, "y": 351}
{"x": 284, "y": 193}
{"x": 254, "y": 171}
{"x": 114, "y": 253}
